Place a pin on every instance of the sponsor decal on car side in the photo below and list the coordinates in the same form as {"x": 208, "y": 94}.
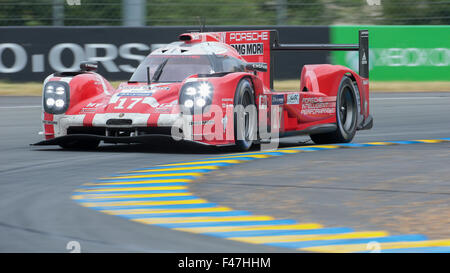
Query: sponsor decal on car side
{"x": 293, "y": 99}
{"x": 262, "y": 102}
{"x": 50, "y": 122}
{"x": 319, "y": 105}
{"x": 277, "y": 99}
{"x": 227, "y": 102}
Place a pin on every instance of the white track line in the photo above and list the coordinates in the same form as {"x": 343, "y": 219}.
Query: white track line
{"x": 20, "y": 106}
{"x": 411, "y": 98}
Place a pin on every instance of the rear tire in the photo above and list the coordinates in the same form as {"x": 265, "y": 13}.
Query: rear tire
{"x": 346, "y": 116}
{"x": 85, "y": 144}
{"x": 244, "y": 134}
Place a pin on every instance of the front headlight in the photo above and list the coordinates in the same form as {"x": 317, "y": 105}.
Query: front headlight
{"x": 196, "y": 95}
{"x": 56, "y": 97}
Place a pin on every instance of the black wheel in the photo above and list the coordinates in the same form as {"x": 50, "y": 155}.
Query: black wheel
{"x": 346, "y": 116}
{"x": 85, "y": 144}
{"x": 244, "y": 117}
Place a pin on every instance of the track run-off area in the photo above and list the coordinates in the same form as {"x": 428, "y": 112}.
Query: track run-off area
{"x": 166, "y": 203}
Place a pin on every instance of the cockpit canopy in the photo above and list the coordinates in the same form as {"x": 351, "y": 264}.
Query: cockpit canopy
{"x": 179, "y": 60}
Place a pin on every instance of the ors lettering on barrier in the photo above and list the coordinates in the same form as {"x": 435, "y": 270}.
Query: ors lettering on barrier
{"x": 19, "y": 59}
{"x": 68, "y": 56}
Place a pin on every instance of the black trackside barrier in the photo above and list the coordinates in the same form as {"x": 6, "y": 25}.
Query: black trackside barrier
{"x": 362, "y": 47}
{"x": 33, "y": 53}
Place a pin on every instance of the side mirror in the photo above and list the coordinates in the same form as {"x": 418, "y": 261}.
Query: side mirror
{"x": 261, "y": 67}
{"x": 88, "y": 66}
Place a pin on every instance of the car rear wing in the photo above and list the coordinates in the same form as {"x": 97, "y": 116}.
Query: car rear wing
{"x": 256, "y": 46}
{"x": 362, "y": 47}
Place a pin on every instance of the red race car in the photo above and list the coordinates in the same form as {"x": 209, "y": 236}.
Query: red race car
{"x": 214, "y": 88}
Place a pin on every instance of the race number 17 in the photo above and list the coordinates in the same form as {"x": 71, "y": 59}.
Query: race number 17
{"x": 123, "y": 101}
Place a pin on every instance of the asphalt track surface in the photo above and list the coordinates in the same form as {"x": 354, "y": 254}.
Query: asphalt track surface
{"x": 402, "y": 189}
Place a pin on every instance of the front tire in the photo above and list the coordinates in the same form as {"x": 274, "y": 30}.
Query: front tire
{"x": 245, "y": 119}
{"x": 346, "y": 116}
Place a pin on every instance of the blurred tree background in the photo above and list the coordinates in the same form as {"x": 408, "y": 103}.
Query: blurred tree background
{"x": 224, "y": 12}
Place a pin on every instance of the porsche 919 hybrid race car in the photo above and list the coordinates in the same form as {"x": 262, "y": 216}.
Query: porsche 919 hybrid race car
{"x": 214, "y": 88}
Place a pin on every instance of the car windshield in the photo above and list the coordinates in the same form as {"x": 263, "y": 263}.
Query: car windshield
{"x": 172, "y": 68}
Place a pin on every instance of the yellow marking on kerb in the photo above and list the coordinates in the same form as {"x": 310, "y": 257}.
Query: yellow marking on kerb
{"x": 252, "y": 228}
{"x": 112, "y": 196}
{"x": 202, "y": 219}
{"x": 364, "y": 247}
{"x": 144, "y": 203}
{"x": 203, "y": 162}
{"x": 302, "y": 238}
{"x": 290, "y": 151}
{"x": 379, "y": 143}
{"x": 287, "y": 151}
{"x": 323, "y": 146}
{"x": 158, "y": 211}
{"x": 430, "y": 140}
{"x": 140, "y": 182}
{"x": 134, "y": 189}
{"x": 175, "y": 169}
{"x": 152, "y": 175}
{"x": 252, "y": 156}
